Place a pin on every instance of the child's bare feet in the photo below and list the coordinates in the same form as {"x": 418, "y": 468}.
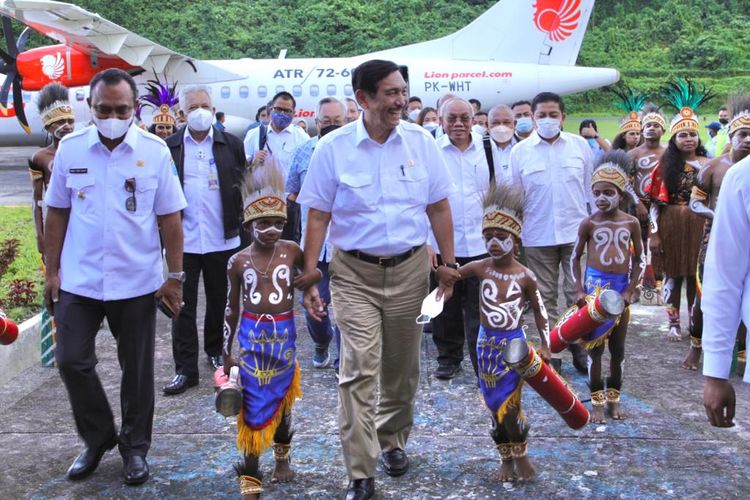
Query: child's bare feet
{"x": 524, "y": 470}
{"x": 675, "y": 334}
{"x": 506, "y": 471}
{"x": 613, "y": 404}
{"x": 692, "y": 359}
{"x": 597, "y": 407}
{"x": 250, "y": 487}
{"x": 282, "y": 471}
{"x": 251, "y": 496}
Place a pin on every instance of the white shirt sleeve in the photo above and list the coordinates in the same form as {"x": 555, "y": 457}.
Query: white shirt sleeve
{"x": 726, "y": 270}
{"x": 514, "y": 165}
{"x": 588, "y": 172}
{"x": 441, "y": 183}
{"x": 169, "y": 197}
{"x": 250, "y": 142}
{"x": 321, "y": 183}
{"x": 58, "y": 194}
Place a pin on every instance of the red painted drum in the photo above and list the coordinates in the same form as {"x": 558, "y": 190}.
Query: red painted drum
{"x": 577, "y": 322}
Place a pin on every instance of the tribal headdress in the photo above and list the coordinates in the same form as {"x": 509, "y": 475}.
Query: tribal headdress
{"x": 686, "y": 97}
{"x": 162, "y": 97}
{"x": 263, "y": 194}
{"x": 503, "y": 208}
{"x": 739, "y": 105}
{"x": 652, "y": 114}
{"x": 611, "y": 168}
{"x": 53, "y": 104}
{"x": 631, "y": 102}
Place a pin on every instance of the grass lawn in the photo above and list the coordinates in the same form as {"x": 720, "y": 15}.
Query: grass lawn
{"x": 17, "y": 223}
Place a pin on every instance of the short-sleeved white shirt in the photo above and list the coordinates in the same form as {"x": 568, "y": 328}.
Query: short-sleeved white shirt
{"x": 377, "y": 194}
{"x": 109, "y": 252}
{"x": 279, "y": 144}
{"x": 556, "y": 180}
{"x": 471, "y": 176}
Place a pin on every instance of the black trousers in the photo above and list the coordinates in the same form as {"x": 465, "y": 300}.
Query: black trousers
{"x": 293, "y": 228}
{"x": 132, "y": 322}
{"x": 184, "y": 328}
{"x": 458, "y": 321}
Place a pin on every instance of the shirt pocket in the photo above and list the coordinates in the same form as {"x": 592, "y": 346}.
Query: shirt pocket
{"x": 356, "y": 192}
{"x": 81, "y": 192}
{"x": 145, "y": 194}
{"x": 536, "y": 175}
{"x": 414, "y": 183}
{"x": 573, "y": 170}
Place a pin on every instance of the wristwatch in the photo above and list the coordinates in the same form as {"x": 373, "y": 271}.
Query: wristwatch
{"x": 455, "y": 265}
{"x": 180, "y": 276}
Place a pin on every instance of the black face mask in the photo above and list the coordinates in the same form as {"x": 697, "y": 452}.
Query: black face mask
{"x": 329, "y": 128}
{"x": 723, "y": 121}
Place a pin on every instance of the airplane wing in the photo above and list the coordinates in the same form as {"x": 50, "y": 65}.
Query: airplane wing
{"x": 93, "y": 35}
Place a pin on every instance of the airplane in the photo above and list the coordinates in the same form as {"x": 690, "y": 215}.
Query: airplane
{"x": 514, "y": 50}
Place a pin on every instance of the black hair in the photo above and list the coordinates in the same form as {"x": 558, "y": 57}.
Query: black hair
{"x": 723, "y": 108}
{"x": 113, "y": 76}
{"x": 415, "y": 99}
{"x": 286, "y": 96}
{"x": 588, "y": 122}
{"x": 260, "y": 110}
{"x": 547, "y": 97}
{"x": 219, "y": 115}
{"x": 480, "y": 113}
{"x": 519, "y": 103}
{"x": 477, "y": 102}
{"x": 673, "y": 164}
{"x": 420, "y": 117}
{"x": 619, "y": 142}
{"x": 368, "y": 75}
{"x": 51, "y": 93}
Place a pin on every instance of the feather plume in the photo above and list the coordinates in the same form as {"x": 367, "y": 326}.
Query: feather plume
{"x": 50, "y": 94}
{"x": 158, "y": 93}
{"x": 506, "y": 198}
{"x": 628, "y": 99}
{"x": 738, "y": 104}
{"x": 684, "y": 92}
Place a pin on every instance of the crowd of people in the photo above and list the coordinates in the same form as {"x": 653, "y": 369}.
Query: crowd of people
{"x": 389, "y": 200}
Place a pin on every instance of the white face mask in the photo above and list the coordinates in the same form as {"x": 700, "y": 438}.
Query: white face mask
{"x": 413, "y": 114}
{"x": 431, "y": 307}
{"x": 548, "y": 127}
{"x": 506, "y": 245}
{"x": 501, "y": 133}
{"x": 112, "y": 128}
{"x": 199, "y": 119}
{"x": 430, "y": 126}
{"x": 611, "y": 201}
{"x": 479, "y": 129}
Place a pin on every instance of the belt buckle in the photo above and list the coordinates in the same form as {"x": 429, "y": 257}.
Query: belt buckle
{"x": 381, "y": 261}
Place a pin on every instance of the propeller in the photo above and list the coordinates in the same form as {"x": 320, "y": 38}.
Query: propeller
{"x": 10, "y": 70}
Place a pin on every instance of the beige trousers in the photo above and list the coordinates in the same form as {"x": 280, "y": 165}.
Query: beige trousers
{"x": 376, "y": 308}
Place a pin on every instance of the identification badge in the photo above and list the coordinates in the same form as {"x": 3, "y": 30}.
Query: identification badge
{"x": 213, "y": 178}
{"x": 78, "y": 171}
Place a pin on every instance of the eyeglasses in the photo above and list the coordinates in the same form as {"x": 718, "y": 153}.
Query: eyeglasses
{"x": 130, "y": 203}
{"x": 286, "y": 111}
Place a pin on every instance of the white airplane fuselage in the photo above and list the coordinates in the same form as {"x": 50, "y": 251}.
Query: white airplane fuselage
{"x": 309, "y": 80}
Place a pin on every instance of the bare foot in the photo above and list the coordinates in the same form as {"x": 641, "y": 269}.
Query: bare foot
{"x": 524, "y": 470}
{"x": 506, "y": 472}
{"x": 692, "y": 359}
{"x": 597, "y": 414}
{"x": 282, "y": 472}
{"x": 253, "y": 496}
{"x": 615, "y": 410}
{"x": 674, "y": 335}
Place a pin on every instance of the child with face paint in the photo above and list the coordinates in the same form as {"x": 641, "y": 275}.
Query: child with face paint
{"x": 505, "y": 286}
{"x": 606, "y": 237}
{"x": 261, "y": 296}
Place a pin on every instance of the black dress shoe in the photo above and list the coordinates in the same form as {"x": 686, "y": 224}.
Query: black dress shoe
{"x": 360, "y": 489}
{"x": 216, "y": 361}
{"x": 580, "y": 358}
{"x": 179, "y": 384}
{"x": 395, "y": 462}
{"x": 447, "y": 372}
{"x": 88, "y": 460}
{"x": 135, "y": 469}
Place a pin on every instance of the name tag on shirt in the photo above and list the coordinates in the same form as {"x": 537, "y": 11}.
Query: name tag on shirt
{"x": 78, "y": 171}
{"x": 213, "y": 176}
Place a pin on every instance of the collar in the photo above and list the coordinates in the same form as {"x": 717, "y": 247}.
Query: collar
{"x": 513, "y": 141}
{"x": 209, "y": 138}
{"x": 535, "y": 138}
{"x": 131, "y": 137}
{"x": 362, "y": 134}
{"x": 287, "y": 130}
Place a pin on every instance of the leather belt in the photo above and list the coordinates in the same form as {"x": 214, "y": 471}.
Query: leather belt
{"x": 391, "y": 261}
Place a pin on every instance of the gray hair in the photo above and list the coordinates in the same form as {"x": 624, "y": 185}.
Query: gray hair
{"x": 194, "y": 89}
{"x": 498, "y": 108}
{"x": 329, "y": 100}
{"x": 452, "y": 100}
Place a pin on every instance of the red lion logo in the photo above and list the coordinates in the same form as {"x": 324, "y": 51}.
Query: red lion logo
{"x": 557, "y": 18}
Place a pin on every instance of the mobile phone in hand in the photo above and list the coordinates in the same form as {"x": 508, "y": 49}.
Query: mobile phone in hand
{"x": 163, "y": 307}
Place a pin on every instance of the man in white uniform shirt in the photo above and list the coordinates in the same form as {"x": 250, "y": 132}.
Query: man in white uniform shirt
{"x": 502, "y": 135}
{"x": 726, "y": 292}
{"x": 463, "y": 151}
{"x": 110, "y": 184}
{"x": 554, "y": 169}
{"x": 276, "y": 143}
{"x": 374, "y": 180}
{"x": 211, "y": 165}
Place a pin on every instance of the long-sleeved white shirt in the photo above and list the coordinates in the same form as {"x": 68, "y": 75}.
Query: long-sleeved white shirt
{"x": 556, "y": 181}
{"x": 726, "y": 275}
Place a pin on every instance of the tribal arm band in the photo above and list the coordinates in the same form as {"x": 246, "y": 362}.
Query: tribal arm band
{"x": 699, "y": 203}
{"x": 654, "y": 216}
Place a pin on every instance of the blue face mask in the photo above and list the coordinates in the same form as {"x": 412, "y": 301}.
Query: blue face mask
{"x": 281, "y": 120}
{"x": 524, "y": 125}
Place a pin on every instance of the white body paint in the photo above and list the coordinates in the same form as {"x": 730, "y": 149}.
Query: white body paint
{"x": 604, "y": 237}
{"x": 500, "y": 315}
{"x": 280, "y": 273}
{"x": 250, "y": 281}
